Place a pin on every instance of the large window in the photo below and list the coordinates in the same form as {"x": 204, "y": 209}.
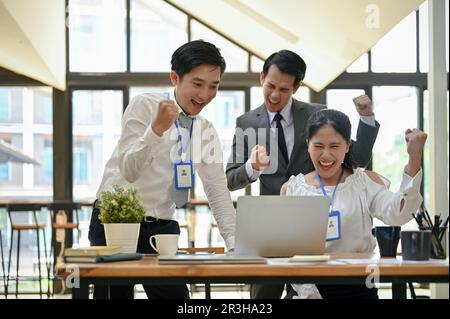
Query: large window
{"x": 222, "y": 113}
{"x": 5, "y": 172}
{"x": 235, "y": 57}
{"x": 48, "y": 164}
{"x": 81, "y": 164}
{"x": 27, "y": 126}
{"x": 360, "y": 65}
{"x": 97, "y": 32}
{"x": 96, "y": 129}
{"x": 342, "y": 100}
{"x": 396, "y": 51}
{"x": 396, "y": 110}
{"x": 5, "y": 105}
{"x": 157, "y": 30}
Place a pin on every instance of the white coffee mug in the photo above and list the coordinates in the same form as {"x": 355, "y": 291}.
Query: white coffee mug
{"x": 166, "y": 244}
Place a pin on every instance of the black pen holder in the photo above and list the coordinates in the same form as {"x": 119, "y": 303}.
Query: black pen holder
{"x": 437, "y": 243}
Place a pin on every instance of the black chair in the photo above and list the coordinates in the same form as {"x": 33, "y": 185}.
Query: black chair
{"x": 68, "y": 208}
{"x": 19, "y": 228}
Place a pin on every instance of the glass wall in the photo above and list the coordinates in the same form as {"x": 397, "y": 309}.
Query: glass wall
{"x": 222, "y": 112}
{"x": 396, "y": 51}
{"x": 92, "y": 48}
{"x": 26, "y": 117}
{"x": 342, "y": 100}
{"x": 235, "y": 57}
{"x": 396, "y": 110}
{"x": 96, "y": 129}
{"x": 157, "y": 30}
{"x": 26, "y": 123}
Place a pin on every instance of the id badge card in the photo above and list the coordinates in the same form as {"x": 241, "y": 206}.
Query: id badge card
{"x": 334, "y": 226}
{"x": 184, "y": 175}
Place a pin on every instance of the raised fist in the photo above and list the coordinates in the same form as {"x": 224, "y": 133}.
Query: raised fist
{"x": 415, "y": 141}
{"x": 166, "y": 116}
{"x": 363, "y": 105}
{"x": 259, "y": 158}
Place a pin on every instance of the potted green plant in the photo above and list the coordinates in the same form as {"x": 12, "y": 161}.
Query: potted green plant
{"x": 121, "y": 213}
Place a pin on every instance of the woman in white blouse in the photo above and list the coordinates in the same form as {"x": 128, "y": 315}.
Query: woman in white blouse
{"x": 356, "y": 195}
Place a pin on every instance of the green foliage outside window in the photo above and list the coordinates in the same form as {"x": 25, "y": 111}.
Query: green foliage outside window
{"x": 391, "y": 164}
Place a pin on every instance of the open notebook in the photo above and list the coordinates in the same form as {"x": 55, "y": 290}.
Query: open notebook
{"x": 210, "y": 259}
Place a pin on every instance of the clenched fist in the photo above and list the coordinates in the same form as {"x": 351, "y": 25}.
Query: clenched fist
{"x": 415, "y": 141}
{"x": 259, "y": 158}
{"x": 166, "y": 116}
{"x": 363, "y": 105}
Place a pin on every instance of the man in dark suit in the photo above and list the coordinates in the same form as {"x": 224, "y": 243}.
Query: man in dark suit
{"x": 270, "y": 142}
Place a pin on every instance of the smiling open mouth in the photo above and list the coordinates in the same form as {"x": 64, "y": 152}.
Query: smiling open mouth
{"x": 197, "y": 104}
{"x": 274, "y": 103}
{"x": 326, "y": 165}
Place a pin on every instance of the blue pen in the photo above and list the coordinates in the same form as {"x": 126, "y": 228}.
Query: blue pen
{"x": 167, "y": 95}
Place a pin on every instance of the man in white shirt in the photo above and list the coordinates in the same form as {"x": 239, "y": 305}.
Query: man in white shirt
{"x": 155, "y": 147}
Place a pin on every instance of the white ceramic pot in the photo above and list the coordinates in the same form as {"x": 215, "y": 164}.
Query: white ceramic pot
{"x": 125, "y": 235}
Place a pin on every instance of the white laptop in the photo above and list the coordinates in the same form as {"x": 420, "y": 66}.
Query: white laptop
{"x": 281, "y": 226}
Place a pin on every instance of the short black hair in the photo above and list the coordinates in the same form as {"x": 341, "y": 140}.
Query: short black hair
{"x": 195, "y": 53}
{"x": 287, "y": 62}
{"x": 339, "y": 121}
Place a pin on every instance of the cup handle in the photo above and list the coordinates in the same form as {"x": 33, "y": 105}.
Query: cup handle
{"x": 151, "y": 243}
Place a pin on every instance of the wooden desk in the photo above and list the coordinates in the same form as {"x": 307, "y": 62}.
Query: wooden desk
{"x": 148, "y": 271}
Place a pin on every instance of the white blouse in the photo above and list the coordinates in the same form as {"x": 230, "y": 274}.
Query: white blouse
{"x": 359, "y": 199}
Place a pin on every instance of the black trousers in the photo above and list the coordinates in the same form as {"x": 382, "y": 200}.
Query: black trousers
{"x": 342, "y": 292}
{"x": 270, "y": 291}
{"x": 97, "y": 238}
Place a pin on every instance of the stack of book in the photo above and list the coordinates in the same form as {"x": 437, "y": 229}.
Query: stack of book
{"x": 95, "y": 254}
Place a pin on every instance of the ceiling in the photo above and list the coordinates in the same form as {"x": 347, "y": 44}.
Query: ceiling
{"x": 328, "y": 34}
{"x": 32, "y": 37}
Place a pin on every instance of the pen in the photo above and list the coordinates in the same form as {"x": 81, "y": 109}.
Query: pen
{"x": 446, "y": 222}
{"x": 427, "y": 218}
{"x": 437, "y": 221}
{"x": 441, "y": 232}
{"x": 442, "y": 229}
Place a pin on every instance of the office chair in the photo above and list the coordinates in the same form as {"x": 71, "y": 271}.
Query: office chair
{"x": 19, "y": 228}
{"x": 66, "y": 208}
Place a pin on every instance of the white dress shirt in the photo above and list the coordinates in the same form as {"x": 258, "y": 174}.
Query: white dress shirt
{"x": 143, "y": 160}
{"x": 359, "y": 199}
{"x": 289, "y": 134}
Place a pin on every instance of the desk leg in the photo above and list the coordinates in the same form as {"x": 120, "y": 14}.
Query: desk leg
{"x": 207, "y": 291}
{"x": 398, "y": 290}
{"x": 82, "y": 292}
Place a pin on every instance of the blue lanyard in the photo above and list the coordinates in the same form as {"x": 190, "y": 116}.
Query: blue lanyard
{"x": 324, "y": 192}
{"x": 180, "y": 138}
